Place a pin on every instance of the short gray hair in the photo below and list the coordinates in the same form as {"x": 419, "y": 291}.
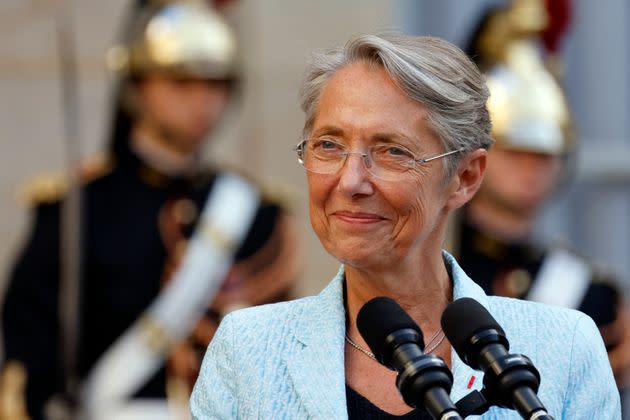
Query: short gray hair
{"x": 431, "y": 71}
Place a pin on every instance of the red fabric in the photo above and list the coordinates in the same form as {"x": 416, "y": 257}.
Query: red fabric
{"x": 559, "y": 12}
{"x": 220, "y": 4}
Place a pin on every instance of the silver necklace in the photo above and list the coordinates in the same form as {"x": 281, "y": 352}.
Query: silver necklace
{"x": 431, "y": 348}
{"x": 428, "y": 349}
{"x": 358, "y": 347}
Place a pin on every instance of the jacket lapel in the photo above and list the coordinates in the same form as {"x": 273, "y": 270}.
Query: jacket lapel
{"x": 317, "y": 369}
{"x": 465, "y": 378}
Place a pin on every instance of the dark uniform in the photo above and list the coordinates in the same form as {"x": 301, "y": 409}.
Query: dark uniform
{"x": 123, "y": 265}
{"x": 511, "y": 269}
{"x": 530, "y": 116}
{"x": 135, "y": 223}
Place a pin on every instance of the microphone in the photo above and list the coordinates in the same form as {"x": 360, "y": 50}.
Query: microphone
{"x": 511, "y": 380}
{"x": 396, "y": 341}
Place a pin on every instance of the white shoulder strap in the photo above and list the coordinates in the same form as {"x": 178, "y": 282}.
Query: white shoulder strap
{"x": 562, "y": 280}
{"x": 140, "y": 351}
{"x": 141, "y": 409}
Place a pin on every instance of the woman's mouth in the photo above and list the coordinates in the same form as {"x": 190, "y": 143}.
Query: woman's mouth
{"x": 358, "y": 217}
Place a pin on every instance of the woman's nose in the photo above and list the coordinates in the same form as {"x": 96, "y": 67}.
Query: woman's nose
{"x": 354, "y": 177}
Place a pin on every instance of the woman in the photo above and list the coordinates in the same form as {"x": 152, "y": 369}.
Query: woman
{"x": 397, "y": 133}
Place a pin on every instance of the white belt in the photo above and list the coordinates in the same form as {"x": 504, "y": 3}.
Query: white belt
{"x": 142, "y": 409}
{"x": 141, "y": 350}
{"x": 563, "y": 280}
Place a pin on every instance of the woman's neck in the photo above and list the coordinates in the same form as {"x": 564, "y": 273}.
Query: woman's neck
{"x": 423, "y": 290}
{"x": 156, "y": 154}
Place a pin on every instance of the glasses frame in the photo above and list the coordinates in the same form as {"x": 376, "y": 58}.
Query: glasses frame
{"x": 299, "y": 149}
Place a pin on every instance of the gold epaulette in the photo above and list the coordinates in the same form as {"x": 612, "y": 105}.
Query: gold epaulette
{"x": 282, "y": 193}
{"x": 13, "y": 379}
{"x": 50, "y": 187}
{"x": 95, "y": 167}
{"x": 43, "y": 188}
{"x": 604, "y": 274}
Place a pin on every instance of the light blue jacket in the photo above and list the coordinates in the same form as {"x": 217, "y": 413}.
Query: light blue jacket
{"x": 286, "y": 360}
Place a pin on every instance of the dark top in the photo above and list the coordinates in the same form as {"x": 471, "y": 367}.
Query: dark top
{"x": 123, "y": 262}
{"x": 513, "y": 267}
{"x": 360, "y": 408}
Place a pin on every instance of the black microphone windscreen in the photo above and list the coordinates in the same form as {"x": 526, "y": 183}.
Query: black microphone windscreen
{"x": 462, "y": 319}
{"x": 380, "y": 317}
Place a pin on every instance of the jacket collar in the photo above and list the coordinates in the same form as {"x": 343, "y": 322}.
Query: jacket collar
{"x": 318, "y": 371}
{"x": 465, "y": 379}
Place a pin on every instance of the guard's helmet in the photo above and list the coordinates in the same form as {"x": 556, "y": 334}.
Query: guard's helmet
{"x": 180, "y": 38}
{"x": 527, "y": 105}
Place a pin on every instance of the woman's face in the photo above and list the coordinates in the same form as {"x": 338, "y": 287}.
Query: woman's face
{"x": 361, "y": 220}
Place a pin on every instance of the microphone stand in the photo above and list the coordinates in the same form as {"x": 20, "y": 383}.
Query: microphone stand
{"x": 478, "y": 402}
{"x": 423, "y": 380}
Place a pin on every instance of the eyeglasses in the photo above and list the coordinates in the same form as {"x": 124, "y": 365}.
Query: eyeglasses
{"x": 385, "y": 161}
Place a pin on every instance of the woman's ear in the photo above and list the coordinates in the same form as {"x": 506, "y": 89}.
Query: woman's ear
{"x": 467, "y": 179}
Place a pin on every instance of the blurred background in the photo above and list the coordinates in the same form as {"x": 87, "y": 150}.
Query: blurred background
{"x": 590, "y": 213}
{"x": 275, "y": 37}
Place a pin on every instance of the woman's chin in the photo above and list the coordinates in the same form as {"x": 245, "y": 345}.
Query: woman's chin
{"x": 362, "y": 258}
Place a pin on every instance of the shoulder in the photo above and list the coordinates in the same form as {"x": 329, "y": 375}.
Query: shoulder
{"x": 269, "y": 317}
{"x": 250, "y": 329}
{"x": 564, "y": 344}
{"x": 50, "y": 188}
{"x": 280, "y": 194}
{"x": 557, "y": 337}
{"x": 526, "y": 315}
{"x": 260, "y": 335}
{"x": 42, "y": 189}
{"x": 286, "y": 324}
{"x": 545, "y": 330}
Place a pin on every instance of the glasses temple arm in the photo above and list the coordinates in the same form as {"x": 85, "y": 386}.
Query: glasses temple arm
{"x": 439, "y": 156}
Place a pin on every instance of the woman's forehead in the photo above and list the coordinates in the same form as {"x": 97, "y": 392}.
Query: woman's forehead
{"x": 363, "y": 100}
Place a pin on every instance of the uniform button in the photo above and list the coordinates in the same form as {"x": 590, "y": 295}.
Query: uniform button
{"x": 185, "y": 211}
{"x": 180, "y": 249}
{"x": 518, "y": 282}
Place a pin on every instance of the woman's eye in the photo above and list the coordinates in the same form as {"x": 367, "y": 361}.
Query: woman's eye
{"x": 396, "y": 151}
{"x": 326, "y": 144}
